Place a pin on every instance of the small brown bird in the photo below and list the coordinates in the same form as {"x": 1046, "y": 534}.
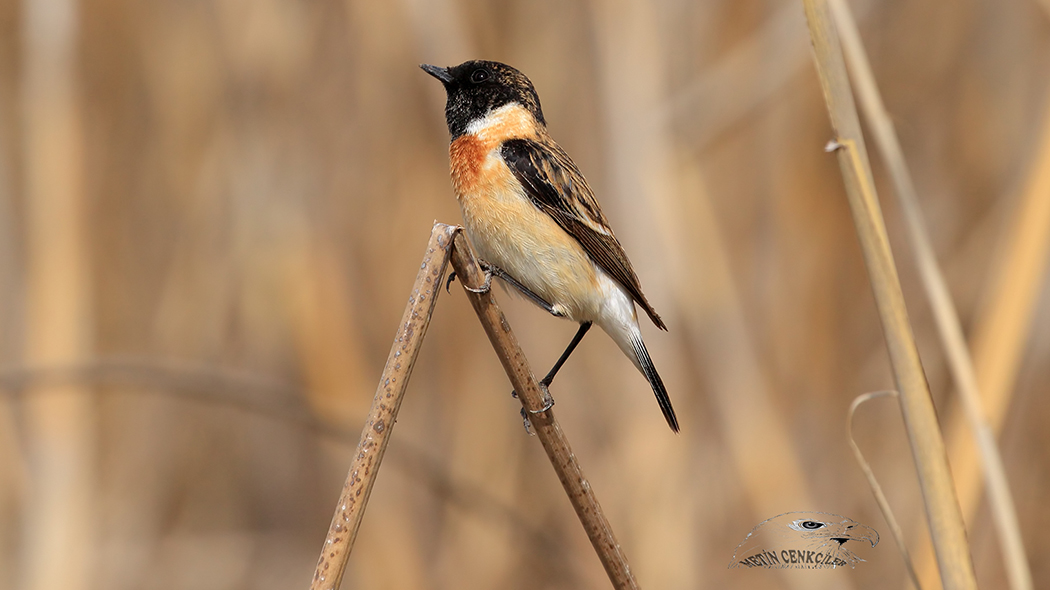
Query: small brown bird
{"x": 531, "y": 216}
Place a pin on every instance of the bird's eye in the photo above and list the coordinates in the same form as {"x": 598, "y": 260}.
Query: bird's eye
{"x": 811, "y": 525}
{"x": 479, "y": 76}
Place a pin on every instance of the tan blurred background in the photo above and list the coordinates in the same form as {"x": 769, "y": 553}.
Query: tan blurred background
{"x": 211, "y": 214}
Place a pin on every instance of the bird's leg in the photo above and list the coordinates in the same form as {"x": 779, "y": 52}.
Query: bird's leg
{"x": 548, "y": 401}
{"x": 544, "y": 383}
{"x": 540, "y": 301}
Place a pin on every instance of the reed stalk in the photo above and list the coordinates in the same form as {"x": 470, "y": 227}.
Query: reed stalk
{"x": 946, "y": 318}
{"x": 547, "y": 429}
{"x": 920, "y": 419}
{"x": 61, "y": 432}
{"x": 379, "y": 425}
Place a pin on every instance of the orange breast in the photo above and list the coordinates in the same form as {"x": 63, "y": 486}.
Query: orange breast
{"x": 467, "y": 156}
{"x": 471, "y": 155}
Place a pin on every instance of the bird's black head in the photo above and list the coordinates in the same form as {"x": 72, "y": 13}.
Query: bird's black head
{"x": 476, "y": 88}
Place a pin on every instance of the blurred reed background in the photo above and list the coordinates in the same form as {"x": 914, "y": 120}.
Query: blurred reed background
{"x": 211, "y": 214}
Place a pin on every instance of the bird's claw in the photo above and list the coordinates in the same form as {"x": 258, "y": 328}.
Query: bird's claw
{"x": 527, "y": 423}
{"x": 485, "y": 287}
{"x": 548, "y": 403}
{"x": 548, "y": 400}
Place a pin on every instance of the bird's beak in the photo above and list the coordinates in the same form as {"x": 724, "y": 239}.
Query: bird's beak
{"x": 439, "y": 73}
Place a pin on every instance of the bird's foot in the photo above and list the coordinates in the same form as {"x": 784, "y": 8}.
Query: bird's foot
{"x": 485, "y": 287}
{"x": 548, "y": 403}
{"x": 448, "y": 283}
{"x": 548, "y": 400}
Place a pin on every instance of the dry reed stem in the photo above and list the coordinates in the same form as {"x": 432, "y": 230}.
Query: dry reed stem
{"x": 383, "y": 414}
{"x": 543, "y": 422}
{"x": 945, "y": 315}
{"x": 920, "y": 419}
{"x": 59, "y": 535}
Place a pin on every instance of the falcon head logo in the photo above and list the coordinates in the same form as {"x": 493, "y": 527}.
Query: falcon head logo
{"x": 809, "y": 540}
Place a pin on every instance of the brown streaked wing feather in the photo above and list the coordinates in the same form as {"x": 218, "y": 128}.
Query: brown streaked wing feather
{"x": 556, "y": 186}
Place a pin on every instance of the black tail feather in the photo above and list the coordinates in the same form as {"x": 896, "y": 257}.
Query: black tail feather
{"x": 649, "y": 370}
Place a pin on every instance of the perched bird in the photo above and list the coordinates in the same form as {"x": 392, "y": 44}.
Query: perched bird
{"x": 531, "y": 216}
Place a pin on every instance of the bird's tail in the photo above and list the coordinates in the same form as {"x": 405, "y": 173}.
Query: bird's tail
{"x": 645, "y": 363}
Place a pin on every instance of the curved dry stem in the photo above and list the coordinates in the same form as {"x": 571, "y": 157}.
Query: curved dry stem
{"x": 876, "y": 489}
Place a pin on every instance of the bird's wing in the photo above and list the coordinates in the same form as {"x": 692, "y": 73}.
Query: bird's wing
{"x": 554, "y": 184}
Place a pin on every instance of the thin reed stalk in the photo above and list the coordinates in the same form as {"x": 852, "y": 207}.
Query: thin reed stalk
{"x": 945, "y": 315}
{"x": 381, "y": 417}
{"x": 582, "y": 497}
{"x": 920, "y": 419}
{"x": 60, "y": 529}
